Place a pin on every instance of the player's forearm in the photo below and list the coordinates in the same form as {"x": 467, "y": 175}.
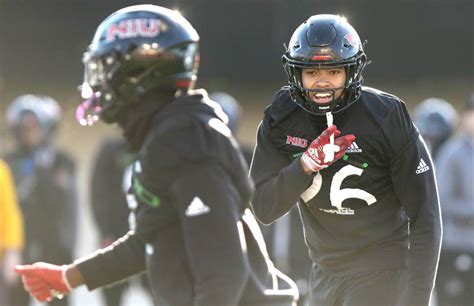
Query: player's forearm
{"x": 124, "y": 258}
{"x": 275, "y": 197}
{"x": 74, "y": 276}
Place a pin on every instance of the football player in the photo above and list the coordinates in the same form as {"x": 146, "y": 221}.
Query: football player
{"x": 191, "y": 229}
{"x": 234, "y": 112}
{"x": 45, "y": 179}
{"x": 455, "y": 174}
{"x": 368, "y": 199}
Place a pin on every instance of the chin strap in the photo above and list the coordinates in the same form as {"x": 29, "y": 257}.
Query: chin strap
{"x": 330, "y": 153}
{"x": 330, "y": 121}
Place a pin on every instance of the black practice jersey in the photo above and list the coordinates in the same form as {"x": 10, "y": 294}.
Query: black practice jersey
{"x": 190, "y": 189}
{"x": 356, "y": 213}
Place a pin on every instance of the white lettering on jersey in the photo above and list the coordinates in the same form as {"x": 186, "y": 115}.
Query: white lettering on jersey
{"x": 313, "y": 190}
{"x": 338, "y": 195}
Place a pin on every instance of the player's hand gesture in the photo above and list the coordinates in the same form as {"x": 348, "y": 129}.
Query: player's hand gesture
{"x": 44, "y": 281}
{"x": 321, "y": 153}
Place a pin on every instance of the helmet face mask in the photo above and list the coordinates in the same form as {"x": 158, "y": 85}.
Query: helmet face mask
{"x": 135, "y": 51}
{"x": 324, "y": 42}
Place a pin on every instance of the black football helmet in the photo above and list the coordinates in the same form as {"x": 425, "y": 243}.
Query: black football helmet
{"x": 325, "y": 41}
{"x": 136, "y": 50}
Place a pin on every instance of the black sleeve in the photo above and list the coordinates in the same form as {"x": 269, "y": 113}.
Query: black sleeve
{"x": 209, "y": 208}
{"x": 279, "y": 185}
{"x": 415, "y": 185}
{"x": 122, "y": 259}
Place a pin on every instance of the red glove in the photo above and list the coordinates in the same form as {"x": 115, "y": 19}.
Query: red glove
{"x": 44, "y": 281}
{"x": 321, "y": 153}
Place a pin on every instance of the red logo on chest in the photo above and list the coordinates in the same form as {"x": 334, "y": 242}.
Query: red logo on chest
{"x": 296, "y": 141}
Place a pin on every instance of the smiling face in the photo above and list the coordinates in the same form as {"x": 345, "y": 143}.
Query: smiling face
{"x": 321, "y": 80}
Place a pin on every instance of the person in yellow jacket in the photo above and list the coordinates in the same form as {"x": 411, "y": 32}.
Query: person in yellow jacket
{"x": 11, "y": 232}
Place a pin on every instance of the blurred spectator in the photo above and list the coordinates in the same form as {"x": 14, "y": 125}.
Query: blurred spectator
{"x": 233, "y": 110}
{"x": 284, "y": 238}
{"x": 109, "y": 184}
{"x": 455, "y": 174}
{"x": 45, "y": 181}
{"x": 435, "y": 119}
{"x": 11, "y": 234}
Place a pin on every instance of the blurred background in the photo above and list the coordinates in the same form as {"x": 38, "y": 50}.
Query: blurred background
{"x": 418, "y": 48}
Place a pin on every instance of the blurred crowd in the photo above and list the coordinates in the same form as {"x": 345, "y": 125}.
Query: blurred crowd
{"x": 38, "y": 198}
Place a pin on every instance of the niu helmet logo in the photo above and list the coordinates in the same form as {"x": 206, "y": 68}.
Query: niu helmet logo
{"x": 350, "y": 40}
{"x": 296, "y": 141}
{"x": 132, "y": 28}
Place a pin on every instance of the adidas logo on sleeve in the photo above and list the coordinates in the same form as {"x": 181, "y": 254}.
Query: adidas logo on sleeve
{"x": 422, "y": 167}
{"x": 196, "y": 208}
{"x": 354, "y": 148}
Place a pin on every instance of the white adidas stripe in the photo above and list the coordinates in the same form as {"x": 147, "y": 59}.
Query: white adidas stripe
{"x": 422, "y": 163}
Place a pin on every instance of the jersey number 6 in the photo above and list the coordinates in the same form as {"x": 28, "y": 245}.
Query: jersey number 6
{"x": 338, "y": 195}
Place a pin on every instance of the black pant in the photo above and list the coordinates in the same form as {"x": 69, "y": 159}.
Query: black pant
{"x": 363, "y": 289}
{"x": 455, "y": 280}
